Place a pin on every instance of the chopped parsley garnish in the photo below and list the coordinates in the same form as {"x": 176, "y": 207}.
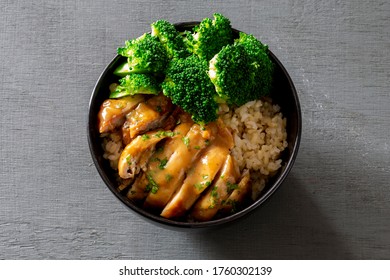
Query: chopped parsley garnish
{"x": 145, "y": 137}
{"x": 207, "y": 142}
{"x": 231, "y": 187}
{"x": 148, "y": 187}
{"x": 205, "y": 176}
{"x": 168, "y": 177}
{"x": 163, "y": 162}
{"x": 186, "y": 140}
{"x": 214, "y": 192}
{"x": 197, "y": 147}
{"x": 153, "y": 185}
{"x": 128, "y": 159}
{"x": 199, "y": 186}
{"x": 161, "y": 133}
{"x": 235, "y": 205}
{"x": 214, "y": 196}
{"x": 169, "y": 133}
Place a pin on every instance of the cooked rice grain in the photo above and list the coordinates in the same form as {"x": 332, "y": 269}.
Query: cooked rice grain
{"x": 259, "y": 132}
{"x": 112, "y": 146}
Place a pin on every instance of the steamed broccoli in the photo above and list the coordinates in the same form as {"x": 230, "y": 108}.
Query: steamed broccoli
{"x": 201, "y": 69}
{"x": 170, "y": 38}
{"x": 210, "y": 36}
{"x": 122, "y": 70}
{"x": 229, "y": 71}
{"x": 145, "y": 54}
{"x": 262, "y": 67}
{"x": 188, "y": 86}
{"x": 136, "y": 84}
{"x": 241, "y": 72}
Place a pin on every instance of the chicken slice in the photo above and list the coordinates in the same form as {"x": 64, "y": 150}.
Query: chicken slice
{"x": 201, "y": 176}
{"x": 147, "y": 116}
{"x": 113, "y": 112}
{"x": 140, "y": 189}
{"x": 239, "y": 195}
{"x": 166, "y": 181}
{"x": 208, "y": 205}
{"x": 135, "y": 155}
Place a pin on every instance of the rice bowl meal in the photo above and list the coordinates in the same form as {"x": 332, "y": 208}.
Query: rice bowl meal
{"x": 188, "y": 127}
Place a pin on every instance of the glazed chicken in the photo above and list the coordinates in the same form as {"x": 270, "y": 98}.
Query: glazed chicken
{"x": 148, "y": 115}
{"x": 185, "y": 154}
{"x": 113, "y": 112}
{"x": 239, "y": 194}
{"x": 202, "y": 174}
{"x": 140, "y": 189}
{"x": 208, "y": 205}
{"x": 136, "y": 154}
{"x": 171, "y": 165}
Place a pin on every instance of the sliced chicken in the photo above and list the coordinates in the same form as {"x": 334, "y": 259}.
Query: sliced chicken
{"x": 135, "y": 155}
{"x": 140, "y": 189}
{"x": 113, "y": 112}
{"x": 208, "y": 205}
{"x": 241, "y": 193}
{"x": 148, "y": 115}
{"x": 166, "y": 181}
{"x": 124, "y": 184}
{"x": 201, "y": 176}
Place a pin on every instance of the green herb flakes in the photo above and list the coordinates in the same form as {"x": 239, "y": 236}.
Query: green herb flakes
{"x": 186, "y": 140}
{"x": 128, "y": 159}
{"x": 231, "y": 187}
{"x": 153, "y": 185}
{"x": 163, "y": 162}
{"x": 161, "y": 133}
{"x": 214, "y": 192}
{"x": 168, "y": 177}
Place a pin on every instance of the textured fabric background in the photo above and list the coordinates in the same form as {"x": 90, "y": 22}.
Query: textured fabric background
{"x": 333, "y": 205}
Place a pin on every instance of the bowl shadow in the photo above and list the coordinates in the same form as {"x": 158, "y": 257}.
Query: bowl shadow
{"x": 289, "y": 226}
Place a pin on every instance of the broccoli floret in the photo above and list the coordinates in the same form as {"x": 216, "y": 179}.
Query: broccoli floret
{"x": 170, "y": 38}
{"x": 262, "y": 68}
{"x": 122, "y": 70}
{"x": 241, "y": 72}
{"x": 136, "y": 84}
{"x": 145, "y": 54}
{"x": 229, "y": 71}
{"x": 210, "y": 36}
{"x": 188, "y": 86}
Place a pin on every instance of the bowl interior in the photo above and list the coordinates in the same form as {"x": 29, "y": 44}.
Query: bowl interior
{"x": 283, "y": 94}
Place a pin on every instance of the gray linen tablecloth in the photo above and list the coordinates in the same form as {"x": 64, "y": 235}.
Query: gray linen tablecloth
{"x": 333, "y": 205}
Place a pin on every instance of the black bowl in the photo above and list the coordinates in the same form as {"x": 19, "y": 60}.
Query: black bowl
{"x": 284, "y": 94}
